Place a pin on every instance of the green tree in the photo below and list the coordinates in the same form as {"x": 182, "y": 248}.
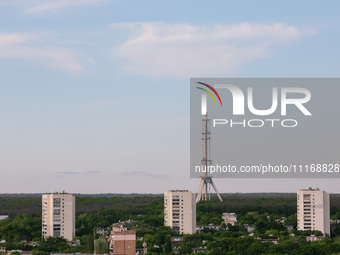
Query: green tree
{"x": 88, "y": 242}
{"x": 215, "y": 251}
{"x": 167, "y": 246}
{"x": 101, "y": 246}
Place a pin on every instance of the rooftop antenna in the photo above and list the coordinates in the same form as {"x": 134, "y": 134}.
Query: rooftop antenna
{"x": 206, "y": 180}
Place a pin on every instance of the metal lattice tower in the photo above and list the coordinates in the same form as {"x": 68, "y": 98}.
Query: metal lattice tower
{"x": 206, "y": 180}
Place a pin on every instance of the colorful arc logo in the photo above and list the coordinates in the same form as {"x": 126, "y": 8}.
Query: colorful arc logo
{"x": 209, "y": 93}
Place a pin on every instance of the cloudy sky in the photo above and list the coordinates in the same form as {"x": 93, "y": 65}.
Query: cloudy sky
{"x": 95, "y": 93}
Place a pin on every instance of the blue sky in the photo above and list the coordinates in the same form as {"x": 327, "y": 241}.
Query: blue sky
{"x": 95, "y": 93}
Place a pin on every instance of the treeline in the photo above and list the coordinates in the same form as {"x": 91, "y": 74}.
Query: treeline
{"x": 31, "y": 203}
{"x": 279, "y": 203}
{"x": 259, "y": 210}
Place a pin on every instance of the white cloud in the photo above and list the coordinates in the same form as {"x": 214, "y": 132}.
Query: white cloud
{"x": 8, "y": 39}
{"x": 43, "y": 6}
{"x": 31, "y": 48}
{"x": 161, "y": 49}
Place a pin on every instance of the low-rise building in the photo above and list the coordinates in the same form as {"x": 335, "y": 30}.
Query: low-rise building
{"x": 199, "y": 249}
{"x": 176, "y": 239}
{"x": 210, "y": 226}
{"x": 275, "y": 241}
{"x": 103, "y": 231}
{"x": 250, "y": 228}
{"x": 312, "y": 238}
{"x": 281, "y": 220}
{"x": 229, "y": 218}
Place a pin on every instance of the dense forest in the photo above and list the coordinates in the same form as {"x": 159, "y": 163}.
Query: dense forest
{"x": 102, "y": 210}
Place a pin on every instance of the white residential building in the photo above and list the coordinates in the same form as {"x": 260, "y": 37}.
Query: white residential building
{"x": 229, "y": 218}
{"x": 313, "y": 210}
{"x": 180, "y": 211}
{"x": 58, "y": 215}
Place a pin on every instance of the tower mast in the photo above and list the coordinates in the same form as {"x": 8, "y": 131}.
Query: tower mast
{"x": 206, "y": 180}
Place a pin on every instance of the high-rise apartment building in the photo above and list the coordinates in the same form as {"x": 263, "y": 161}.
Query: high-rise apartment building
{"x": 180, "y": 211}
{"x": 58, "y": 215}
{"x": 313, "y": 210}
{"x": 122, "y": 241}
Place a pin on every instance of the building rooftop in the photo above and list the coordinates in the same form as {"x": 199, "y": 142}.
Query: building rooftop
{"x": 116, "y": 230}
{"x": 179, "y": 190}
{"x": 57, "y": 193}
{"x": 310, "y": 189}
